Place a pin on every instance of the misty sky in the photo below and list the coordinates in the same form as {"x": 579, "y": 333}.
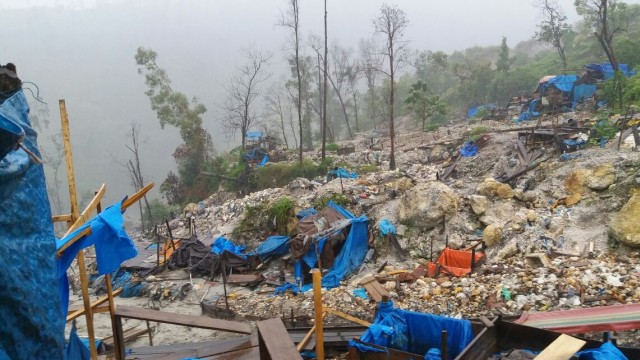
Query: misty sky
{"x": 83, "y": 51}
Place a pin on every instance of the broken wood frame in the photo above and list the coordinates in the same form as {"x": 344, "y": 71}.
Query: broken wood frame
{"x": 626, "y": 129}
{"x": 528, "y": 161}
{"x": 74, "y": 221}
{"x": 125, "y": 312}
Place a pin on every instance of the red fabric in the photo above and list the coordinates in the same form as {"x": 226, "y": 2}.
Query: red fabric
{"x": 454, "y": 262}
{"x": 576, "y": 321}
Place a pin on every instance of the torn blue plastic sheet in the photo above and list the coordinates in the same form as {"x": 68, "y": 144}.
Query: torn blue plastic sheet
{"x": 222, "y": 244}
{"x": 386, "y": 227}
{"x": 264, "y": 160}
{"x": 342, "y": 173}
{"x": 306, "y": 212}
{"x": 281, "y": 290}
{"x": 606, "y": 351}
{"x": 361, "y": 293}
{"x": 569, "y": 156}
{"x": 272, "y": 246}
{"x": 76, "y": 348}
{"x": 469, "y": 149}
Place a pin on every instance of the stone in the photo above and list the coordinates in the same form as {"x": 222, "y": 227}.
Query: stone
{"x": 439, "y": 153}
{"x": 625, "y": 226}
{"x": 532, "y": 216}
{"x": 425, "y": 205}
{"x": 479, "y": 204}
{"x": 402, "y": 184}
{"x": 572, "y": 199}
{"x": 601, "y": 177}
{"x": 491, "y": 187}
{"x": 498, "y": 213}
{"x": 508, "y": 251}
{"x": 492, "y": 234}
{"x": 576, "y": 181}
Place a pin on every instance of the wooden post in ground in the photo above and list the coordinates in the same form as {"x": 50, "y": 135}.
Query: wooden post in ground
{"x": 75, "y": 213}
{"x": 317, "y": 301}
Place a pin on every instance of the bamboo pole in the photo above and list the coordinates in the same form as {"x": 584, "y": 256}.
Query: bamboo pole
{"x": 317, "y": 301}
{"x": 75, "y": 213}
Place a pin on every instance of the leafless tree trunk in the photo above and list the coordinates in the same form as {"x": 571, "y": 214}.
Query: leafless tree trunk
{"x": 291, "y": 21}
{"x": 392, "y": 22}
{"x": 243, "y": 89}
{"x": 135, "y": 172}
{"x": 275, "y": 107}
{"x": 552, "y": 27}
{"x": 324, "y": 85}
{"x": 370, "y": 62}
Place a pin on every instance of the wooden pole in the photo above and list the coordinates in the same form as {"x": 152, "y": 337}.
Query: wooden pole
{"x": 317, "y": 301}
{"x": 75, "y": 213}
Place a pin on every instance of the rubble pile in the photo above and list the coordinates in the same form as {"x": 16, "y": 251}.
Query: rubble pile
{"x": 556, "y": 236}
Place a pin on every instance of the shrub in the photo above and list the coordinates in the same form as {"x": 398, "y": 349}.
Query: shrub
{"x": 281, "y": 211}
{"x": 332, "y": 147}
{"x": 339, "y": 199}
{"x": 475, "y": 133}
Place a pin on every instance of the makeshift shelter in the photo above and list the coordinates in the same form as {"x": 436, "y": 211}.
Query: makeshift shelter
{"x": 338, "y": 236}
{"x": 604, "y": 71}
{"x": 454, "y": 262}
{"x": 413, "y": 332}
{"x": 28, "y": 271}
{"x": 473, "y": 112}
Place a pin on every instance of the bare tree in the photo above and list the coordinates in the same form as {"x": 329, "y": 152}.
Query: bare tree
{"x": 370, "y": 62}
{"x": 279, "y": 105}
{"x": 135, "y": 172}
{"x": 244, "y": 89}
{"x": 552, "y": 27}
{"x": 391, "y": 23}
{"x": 324, "y": 84}
{"x": 290, "y": 20}
{"x": 606, "y": 18}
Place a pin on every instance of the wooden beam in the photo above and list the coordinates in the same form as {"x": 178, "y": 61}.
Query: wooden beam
{"x": 93, "y": 305}
{"x": 184, "y": 320}
{"x": 346, "y": 316}
{"x": 73, "y": 197}
{"x": 274, "y": 341}
{"x": 88, "y": 211}
{"x": 563, "y": 348}
{"x": 137, "y": 196}
{"x": 62, "y": 218}
{"x": 307, "y": 337}
{"x": 317, "y": 302}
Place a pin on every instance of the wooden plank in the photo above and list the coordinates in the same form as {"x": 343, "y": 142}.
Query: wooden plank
{"x": 96, "y": 310}
{"x": 62, "y": 218}
{"x": 202, "y": 322}
{"x": 346, "y": 316}
{"x": 309, "y": 335}
{"x": 128, "y": 334}
{"x": 563, "y": 348}
{"x": 93, "y": 305}
{"x": 317, "y": 303}
{"x": 137, "y": 196}
{"x": 374, "y": 288}
{"x": 243, "y": 278}
{"x": 274, "y": 340}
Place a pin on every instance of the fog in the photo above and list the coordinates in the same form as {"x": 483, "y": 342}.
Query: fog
{"x": 83, "y": 52}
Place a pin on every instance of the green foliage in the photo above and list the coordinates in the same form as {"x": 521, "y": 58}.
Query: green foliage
{"x": 251, "y": 220}
{"x": 605, "y": 128}
{"x": 503, "y": 64}
{"x": 279, "y": 212}
{"x": 552, "y": 28}
{"x": 174, "y": 108}
{"x": 423, "y": 103}
{"x": 482, "y": 113}
{"x": 366, "y": 169}
{"x": 160, "y": 211}
{"x": 332, "y": 147}
{"x": 621, "y": 91}
{"x": 475, "y": 133}
{"x": 339, "y": 199}
{"x": 432, "y": 127}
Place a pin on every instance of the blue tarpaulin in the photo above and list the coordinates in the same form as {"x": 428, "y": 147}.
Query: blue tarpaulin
{"x": 256, "y": 154}
{"x": 469, "y": 149}
{"x": 607, "y": 70}
{"x": 76, "y": 349}
{"x": 582, "y": 91}
{"x": 350, "y": 257}
{"x": 386, "y": 227}
{"x": 342, "y": 173}
{"x": 563, "y": 83}
{"x": 306, "y": 212}
{"x": 254, "y": 135}
{"x": 112, "y": 244}
{"x": 606, "y": 351}
{"x": 264, "y": 161}
{"x": 281, "y": 290}
{"x": 221, "y": 245}
{"x": 415, "y": 332}
{"x": 32, "y": 327}
{"x": 272, "y": 246}
{"x": 530, "y": 113}
{"x": 472, "y": 112}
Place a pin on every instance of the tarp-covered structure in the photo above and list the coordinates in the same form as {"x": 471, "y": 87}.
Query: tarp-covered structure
{"x": 454, "y": 262}
{"x": 32, "y": 327}
{"x": 338, "y": 236}
{"x": 473, "y": 112}
{"x": 414, "y": 332}
{"x": 604, "y": 71}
